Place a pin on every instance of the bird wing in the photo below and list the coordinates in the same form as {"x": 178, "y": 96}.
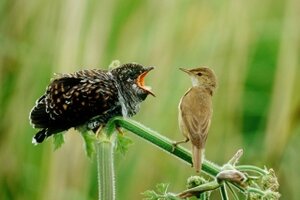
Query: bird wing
{"x": 196, "y": 115}
{"x": 46, "y": 109}
{"x": 81, "y": 101}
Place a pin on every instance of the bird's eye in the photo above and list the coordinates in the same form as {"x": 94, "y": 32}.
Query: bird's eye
{"x": 199, "y": 74}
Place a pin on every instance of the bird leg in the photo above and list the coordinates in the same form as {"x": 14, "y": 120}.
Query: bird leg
{"x": 98, "y": 132}
{"x": 179, "y": 142}
{"x": 120, "y": 130}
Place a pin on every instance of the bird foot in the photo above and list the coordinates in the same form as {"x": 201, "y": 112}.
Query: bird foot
{"x": 120, "y": 131}
{"x": 98, "y": 132}
{"x": 175, "y": 144}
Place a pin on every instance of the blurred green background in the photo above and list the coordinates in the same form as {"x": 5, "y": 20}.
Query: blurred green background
{"x": 253, "y": 46}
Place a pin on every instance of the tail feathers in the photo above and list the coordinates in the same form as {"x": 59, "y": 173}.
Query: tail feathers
{"x": 44, "y": 133}
{"x": 39, "y": 137}
{"x": 198, "y": 154}
{"x": 39, "y": 118}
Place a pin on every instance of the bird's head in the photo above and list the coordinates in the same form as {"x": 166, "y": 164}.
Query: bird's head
{"x": 202, "y": 76}
{"x": 132, "y": 77}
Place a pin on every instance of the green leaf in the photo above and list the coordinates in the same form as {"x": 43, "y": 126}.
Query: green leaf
{"x": 160, "y": 193}
{"x": 89, "y": 143}
{"x": 162, "y": 188}
{"x": 58, "y": 140}
{"x": 122, "y": 144}
{"x": 150, "y": 194}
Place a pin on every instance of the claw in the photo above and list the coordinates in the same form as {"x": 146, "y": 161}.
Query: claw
{"x": 179, "y": 142}
{"x": 120, "y": 131}
{"x": 98, "y": 132}
{"x": 174, "y": 145}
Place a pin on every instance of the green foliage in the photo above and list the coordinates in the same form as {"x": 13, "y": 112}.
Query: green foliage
{"x": 262, "y": 186}
{"x": 265, "y": 187}
{"x": 89, "y": 143}
{"x": 58, "y": 140}
{"x": 159, "y": 193}
{"x": 122, "y": 144}
{"x": 195, "y": 181}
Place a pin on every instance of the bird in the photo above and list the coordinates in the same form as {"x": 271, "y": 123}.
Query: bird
{"x": 195, "y": 111}
{"x": 88, "y": 99}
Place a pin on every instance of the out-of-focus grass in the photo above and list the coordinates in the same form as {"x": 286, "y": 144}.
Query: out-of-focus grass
{"x": 253, "y": 47}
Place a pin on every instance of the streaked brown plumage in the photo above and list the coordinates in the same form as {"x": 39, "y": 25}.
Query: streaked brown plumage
{"x": 88, "y": 99}
{"x": 195, "y": 111}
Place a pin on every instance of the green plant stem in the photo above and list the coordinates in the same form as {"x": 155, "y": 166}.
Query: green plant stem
{"x": 200, "y": 189}
{"x": 255, "y": 190}
{"x": 160, "y": 141}
{"x": 105, "y": 167}
{"x": 251, "y": 168}
{"x": 223, "y": 191}
{"x": 232, "y": 191}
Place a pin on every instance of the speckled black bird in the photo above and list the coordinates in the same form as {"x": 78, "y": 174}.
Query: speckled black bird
{"x": 89, "y": 98}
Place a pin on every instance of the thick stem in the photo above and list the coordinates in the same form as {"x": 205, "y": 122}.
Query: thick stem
{"x": 160, "y": 141}
{"x": 105, "y": 167}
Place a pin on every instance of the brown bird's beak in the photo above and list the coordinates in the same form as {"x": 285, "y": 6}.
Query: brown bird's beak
{"x": 185, "y": 70}
{"x": 141, "y": 81}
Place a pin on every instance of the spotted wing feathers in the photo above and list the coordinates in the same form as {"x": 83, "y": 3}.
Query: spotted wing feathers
{"x": 72, "y": 99}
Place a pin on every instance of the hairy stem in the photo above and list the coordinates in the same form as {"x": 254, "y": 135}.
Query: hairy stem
{"x": 105, "y": 167}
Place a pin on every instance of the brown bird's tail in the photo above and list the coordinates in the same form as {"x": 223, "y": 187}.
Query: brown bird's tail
{"x": 198, "y": 154}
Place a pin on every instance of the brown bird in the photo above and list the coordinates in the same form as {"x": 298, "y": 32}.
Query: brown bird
{"x": 195, "y": 111}
{"x": 89, "y": 98}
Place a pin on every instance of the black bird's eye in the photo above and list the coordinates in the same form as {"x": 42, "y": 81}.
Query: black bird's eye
{"x": 199, "y": 74}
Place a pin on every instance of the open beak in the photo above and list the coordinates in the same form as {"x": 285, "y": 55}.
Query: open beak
{"x": 141, "y": 81}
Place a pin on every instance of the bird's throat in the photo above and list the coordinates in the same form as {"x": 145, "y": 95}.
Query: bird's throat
{"x": 195, "y": 81}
